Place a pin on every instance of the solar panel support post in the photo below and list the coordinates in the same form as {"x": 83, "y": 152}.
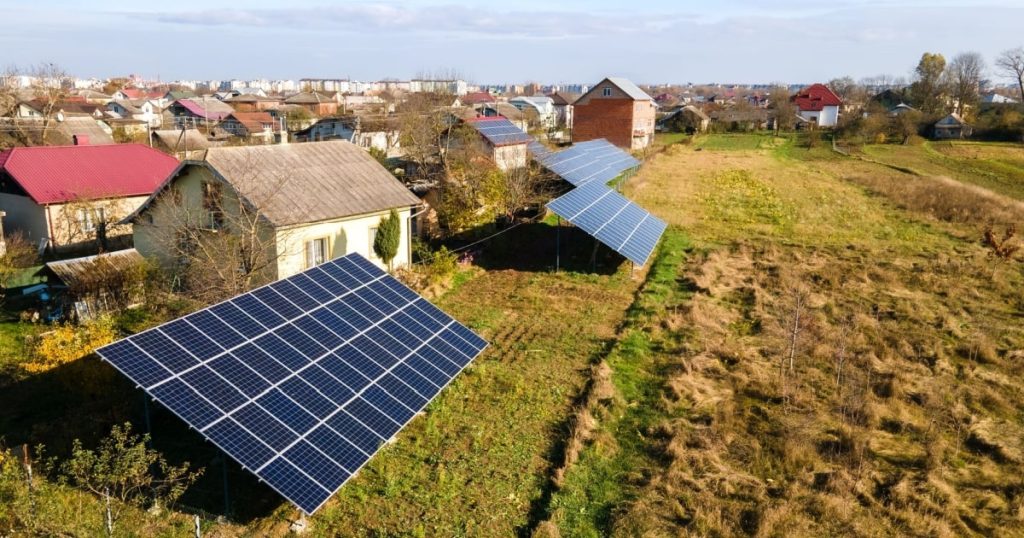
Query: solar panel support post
{"x": 558, "y": 244}
{"x": 224, "y": 478}
{"x": 148, "y": 420}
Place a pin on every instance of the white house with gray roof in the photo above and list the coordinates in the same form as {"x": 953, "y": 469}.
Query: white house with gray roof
{"x": 317, "y": 200}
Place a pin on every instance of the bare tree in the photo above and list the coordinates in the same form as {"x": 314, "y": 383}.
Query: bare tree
{"x": 785, "y": 111}
{"x": 221, "y": 241}
{"x": 1011, "y": 64}
{"x": 45, "y": 94}
{"x": 964, "y": 73}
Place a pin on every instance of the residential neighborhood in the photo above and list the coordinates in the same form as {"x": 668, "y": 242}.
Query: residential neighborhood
{"x": 429, "y": 269}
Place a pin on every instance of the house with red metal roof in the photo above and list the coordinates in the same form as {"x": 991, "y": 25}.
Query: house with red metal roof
{"x": 66, "y": 196}
{"x": 818, "y": 104}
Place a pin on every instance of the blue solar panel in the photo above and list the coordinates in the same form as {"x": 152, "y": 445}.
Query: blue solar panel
{"x": 500, "y": 132}
{"x": 303, "y": 380}
{"x": 612, "y": 219}
{"x": 593, "y": 160}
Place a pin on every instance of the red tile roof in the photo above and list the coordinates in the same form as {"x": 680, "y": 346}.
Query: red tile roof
{"x": 815, "y": 98}
{"x": 61, "y": 174}
{"x": 133, "y": 93}
{"x": 254, "y": 121}
{"x": 477, "y": 98}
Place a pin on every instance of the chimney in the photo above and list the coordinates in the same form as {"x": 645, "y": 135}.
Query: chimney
{"x": 80, "y": 139}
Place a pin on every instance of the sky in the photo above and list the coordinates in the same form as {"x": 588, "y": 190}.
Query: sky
{"x": 492, "y": 42}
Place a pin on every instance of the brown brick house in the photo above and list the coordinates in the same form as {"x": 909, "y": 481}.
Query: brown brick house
{"x": 616, "y": 110}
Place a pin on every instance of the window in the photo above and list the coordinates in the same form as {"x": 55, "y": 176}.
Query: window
{"x": 316, "y": 252}
{"x": 90, "y": 218}
{"x": 213, "y": 194}
{"x": 606, "y": 92}
{"x": 373, "y": 238}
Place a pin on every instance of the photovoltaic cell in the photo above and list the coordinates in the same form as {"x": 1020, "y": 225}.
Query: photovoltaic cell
{"x": 499, "y": 131}
{"x": 586, "y": 162}
{"x": 301, "y": 381}
{"x": 611, "y": 219}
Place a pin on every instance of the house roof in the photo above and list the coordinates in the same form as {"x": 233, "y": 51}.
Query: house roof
{"x": 250, "y": 98}
{"x": 563, "y": 99}
{"x": 60, "y": 174}
{"x": 173, "y": 140}
{"x": 507, "y": 110}
{"x": 498, "y": 131}
{"x": 309, "y": 98}
{"x": 952, "y": 120}
{"x": 476, "y": 98}
{"x": 309, "y": 182}
{"x": 206, "y": 108}
{"x": 254, "y": 121}
{"x": 133, "y": 93}
{"x": 86, "y": 125}
{"x": 630, "y": 89}
{"x": 76, "y": 271}
{"x": 815, "y": 98}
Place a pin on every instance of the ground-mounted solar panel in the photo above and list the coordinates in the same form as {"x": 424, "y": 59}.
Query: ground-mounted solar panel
{"x": 302, "y": 381}
{"x": 499, "y": 131}
{"x": 584, "y": 162}
{"x": 612, "y": 219}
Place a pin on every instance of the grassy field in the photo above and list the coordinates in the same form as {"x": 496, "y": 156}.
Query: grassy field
{"x": 817, "y": 357}
{"x": 994, "y": 166}
{"x": 821, "y": 346}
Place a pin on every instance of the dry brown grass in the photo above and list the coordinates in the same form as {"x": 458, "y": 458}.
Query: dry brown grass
{"x": 902, "y": 412}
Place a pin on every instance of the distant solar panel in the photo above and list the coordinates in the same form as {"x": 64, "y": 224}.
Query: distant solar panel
{"x": 303, "y": 380}
{"x": 499, "y": 131}
{"x": 538, "y": 150}
{"x": 615, "y": 221}
{"x": 593, "y": 160}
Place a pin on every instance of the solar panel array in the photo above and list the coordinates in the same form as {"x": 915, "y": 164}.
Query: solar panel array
{"x": 538, "y": 150}
{"x": 615, "y": 221}
{"x": 302, "y": 381}
{"x": 593, "y": 160}
{"x": 500, "y": 132}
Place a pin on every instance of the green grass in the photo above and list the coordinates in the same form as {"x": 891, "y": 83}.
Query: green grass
{"x": 1000, "y": 173}
{"x": 736, "y": 142}
{"x": 600, "y": 481}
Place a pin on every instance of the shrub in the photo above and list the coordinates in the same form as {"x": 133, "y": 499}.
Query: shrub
{"x": 67, "y": 343}
{"x": 124, "y": 468}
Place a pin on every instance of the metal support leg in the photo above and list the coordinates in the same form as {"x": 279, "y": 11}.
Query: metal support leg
{"x": 558, "y": 244}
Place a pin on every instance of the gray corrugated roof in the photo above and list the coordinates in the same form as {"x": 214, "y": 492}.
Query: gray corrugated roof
{"x": 173, "y": 140}
{"x": 309, "y": 182}
{"x": 631, "y": 89}
{"x": 71, "y": 272}
{"x": 85, "y": 125}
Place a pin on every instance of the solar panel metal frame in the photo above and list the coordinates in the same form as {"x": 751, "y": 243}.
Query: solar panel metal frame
{"x": 242, "y": 322}
{"x": 613, "y": 220}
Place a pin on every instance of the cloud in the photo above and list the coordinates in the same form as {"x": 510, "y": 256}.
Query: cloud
{"x": 460, "y": 21}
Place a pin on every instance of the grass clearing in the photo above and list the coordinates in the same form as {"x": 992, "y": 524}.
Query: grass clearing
{"x": 997, "y": 167}
{"x": 884, "y": 424}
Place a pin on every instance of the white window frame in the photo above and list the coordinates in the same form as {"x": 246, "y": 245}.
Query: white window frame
{"x": 606, "y": 92}
{"x": 89, "y": 218}
{"x": 372, "y": 230}
{"x": 312, "y": 258}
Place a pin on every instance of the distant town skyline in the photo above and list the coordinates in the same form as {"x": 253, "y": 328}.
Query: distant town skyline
{"x": 575, "y": 41}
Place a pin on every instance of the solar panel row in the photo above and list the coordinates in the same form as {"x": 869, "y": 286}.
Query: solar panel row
{"x": 593, "y": 160}
{"x": 303, "y": 380}
{"x": 615, "y": 221}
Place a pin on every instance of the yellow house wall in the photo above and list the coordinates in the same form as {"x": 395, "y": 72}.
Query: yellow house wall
{"x": 345, "y": 236}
